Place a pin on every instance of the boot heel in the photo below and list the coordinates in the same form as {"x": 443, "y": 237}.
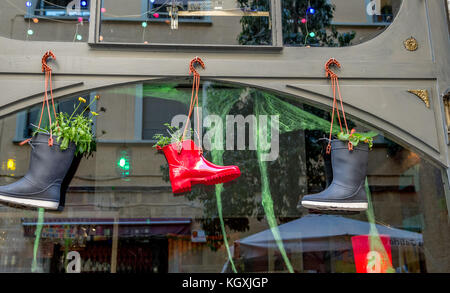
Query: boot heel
{"x": 181, "y": 185}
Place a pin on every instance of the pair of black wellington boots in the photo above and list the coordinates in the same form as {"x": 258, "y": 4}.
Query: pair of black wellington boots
{"x": 346, "y": 188}
{"x": 48, "y": 177}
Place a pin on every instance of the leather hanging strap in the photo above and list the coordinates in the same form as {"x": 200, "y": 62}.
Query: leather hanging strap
{"x": 194, "y": 96}
{"x": 48, "y": 82}
{"x": 335, "y": 87}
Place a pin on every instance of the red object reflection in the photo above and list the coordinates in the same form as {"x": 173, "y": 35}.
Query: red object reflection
{"x": 372, "y": 253}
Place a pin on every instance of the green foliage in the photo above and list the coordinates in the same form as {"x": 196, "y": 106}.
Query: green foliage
{"x": 355, "y": 138}
{"x": 74, "y": 128}
{"x": 77, "y": 129}
{"x": 257, "y": 30}
{"x": 175, "y": 135}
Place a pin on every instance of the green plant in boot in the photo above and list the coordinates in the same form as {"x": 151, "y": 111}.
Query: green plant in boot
{"x": 355, "y": 138}
{"x": 175, "y": 135}
{"x": 74, "y": 128}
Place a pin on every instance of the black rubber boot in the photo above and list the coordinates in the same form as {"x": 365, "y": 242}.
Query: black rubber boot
{"x": 347, "y": 191}
{"x": 328, "y": 166}
{"x": 41, "y": 185}
{"x": 66, "y": 182}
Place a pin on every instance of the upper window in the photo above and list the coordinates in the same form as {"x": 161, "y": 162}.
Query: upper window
{"x": 335, "y": 23}
{"x": 60, "y": 8}
{"x": 313, "y": 23}
{"x": 201, "y": 22}
{"x": 45, "y": 20}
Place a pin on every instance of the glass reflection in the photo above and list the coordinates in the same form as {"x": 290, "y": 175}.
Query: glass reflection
{"x": 128, "y": 221}
{"x": 216, "y": 22}
{"x": 213, "y": 22}
{"x": 45, "y": 20}
{"x": 336, "y": 23}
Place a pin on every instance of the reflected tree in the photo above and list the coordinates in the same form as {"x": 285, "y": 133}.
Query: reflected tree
{"x": 286, "y": 176}
{"x": 300, "y": 26}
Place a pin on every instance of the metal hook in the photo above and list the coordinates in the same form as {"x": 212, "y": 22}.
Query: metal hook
{"x": 330, "y": 62}
{"x": 48, "y": 54}
{"x": 192, "y": 65}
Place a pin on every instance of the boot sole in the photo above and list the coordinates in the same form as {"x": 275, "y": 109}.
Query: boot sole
{"x": 185, "y": 186}
{"x": 336, "y": 206}
{"x": 50, "y": 205}
{"x": 221, "y": 178}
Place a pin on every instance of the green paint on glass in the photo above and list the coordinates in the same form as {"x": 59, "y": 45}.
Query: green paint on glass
{"x": 291, "y": 118}
{"x": 221, "y": 105}
{"x": 219, "y": 189}
{"x": 217, "y": 158}
{"x": 67, "y": 245}
{"x": 220, "y": 102}
{"x": 37, "y": 233}
{"x": 374, "y": 237}
{"x": 267, "y": 201}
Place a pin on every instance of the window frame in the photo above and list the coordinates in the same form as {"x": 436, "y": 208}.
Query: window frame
{"x": 95, "y": 22}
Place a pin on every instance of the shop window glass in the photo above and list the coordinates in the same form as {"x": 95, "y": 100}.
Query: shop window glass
{"x": 156, "y": 111}
{"x": 129, "y": 223}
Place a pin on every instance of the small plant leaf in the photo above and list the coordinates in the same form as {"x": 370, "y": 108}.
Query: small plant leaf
{"x": 356, "y": 138}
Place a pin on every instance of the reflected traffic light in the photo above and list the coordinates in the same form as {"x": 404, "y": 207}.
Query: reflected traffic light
{"x": 124, "y": 163}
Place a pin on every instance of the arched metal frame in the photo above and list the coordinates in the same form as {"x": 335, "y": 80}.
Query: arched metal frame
{"x": 378, "y": 77}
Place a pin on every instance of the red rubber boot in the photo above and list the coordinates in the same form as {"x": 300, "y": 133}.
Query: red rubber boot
{"x": 189, "y": 167}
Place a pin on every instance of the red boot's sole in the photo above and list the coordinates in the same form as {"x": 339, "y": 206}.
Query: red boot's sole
{"x": 220, "y": 178}
{"x": 183, "y": 186}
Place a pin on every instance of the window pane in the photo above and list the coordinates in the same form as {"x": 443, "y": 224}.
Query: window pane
{"x": 156, "y": 112}
{"x": 49, "y": 20}
{"x": 118, "y": 220}
{"x": 335, "y": 23}
{"x": 213, "y": 22}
